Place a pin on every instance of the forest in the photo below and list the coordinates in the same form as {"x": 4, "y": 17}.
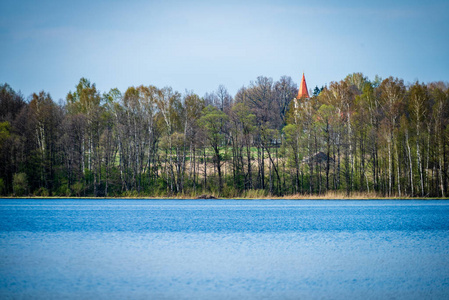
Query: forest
{"x": 381, "y": 137}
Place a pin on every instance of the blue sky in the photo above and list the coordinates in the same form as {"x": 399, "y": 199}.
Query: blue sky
{"x": 198, "y": 45}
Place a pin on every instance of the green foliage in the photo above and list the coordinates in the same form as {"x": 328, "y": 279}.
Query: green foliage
{"x": 63, "y": 191}
{"x": 5, "y": 129}
{"x": 42, "y": 192}
{"x": 2, "y": 187}
{"x": 317, "y": 91}
{"x": 85, "y": 99}
{"x": 212, "y": 120}
{"x": 355, "y": 135}
{"x": 130, "y": 194}
{"x": 20, "y": 184}
{"x": 78, "y": 188}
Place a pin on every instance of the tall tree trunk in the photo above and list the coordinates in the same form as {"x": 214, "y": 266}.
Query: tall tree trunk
{"x": 218, "y": 164}
{"x": 398, "y": 170}
{"x": 205, "y": 170}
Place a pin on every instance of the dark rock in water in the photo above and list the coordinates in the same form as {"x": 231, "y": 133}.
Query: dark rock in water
{"x": 204, "y": 196}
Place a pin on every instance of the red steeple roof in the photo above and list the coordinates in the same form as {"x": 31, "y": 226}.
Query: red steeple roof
{"x": 303, "y": 93}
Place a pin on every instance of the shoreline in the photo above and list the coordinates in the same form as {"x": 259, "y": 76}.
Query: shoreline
{"x": 225, "y": 198}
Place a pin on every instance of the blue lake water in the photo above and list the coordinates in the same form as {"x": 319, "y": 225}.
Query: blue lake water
{"x": 224, "y": 249}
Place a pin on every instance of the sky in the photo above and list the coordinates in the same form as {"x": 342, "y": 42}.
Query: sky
{"x": 198, "y": 45}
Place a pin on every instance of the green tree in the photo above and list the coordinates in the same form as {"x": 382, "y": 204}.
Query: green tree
{"x": 2, "y": 187}
{"x": 242, "y": 133}
{"x": 212, "y": 121}
{"x": 392, "y": 93}
{"x": 45, "y": 119}
{"x": 20, "y": 184}
{"x": 193, "y": 107}
{"x": 86, "y": 101}
{"x": 418, "y": 107}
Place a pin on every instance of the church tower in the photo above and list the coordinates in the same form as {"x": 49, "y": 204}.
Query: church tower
{"x": 303, "y": 93}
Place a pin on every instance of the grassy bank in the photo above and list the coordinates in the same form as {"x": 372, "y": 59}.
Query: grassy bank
{"x": 250, "y": 195}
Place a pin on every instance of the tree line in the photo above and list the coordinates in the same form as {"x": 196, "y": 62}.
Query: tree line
{"x": 381, "y": 137}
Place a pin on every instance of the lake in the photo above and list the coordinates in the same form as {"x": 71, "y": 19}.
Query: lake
{"x": 224, "y": 249}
